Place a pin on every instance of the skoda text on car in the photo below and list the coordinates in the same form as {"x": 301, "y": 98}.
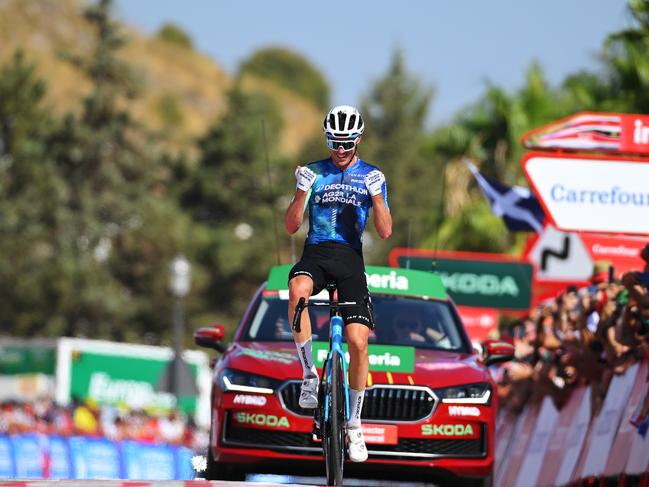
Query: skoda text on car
{"x": 429, "y": 404}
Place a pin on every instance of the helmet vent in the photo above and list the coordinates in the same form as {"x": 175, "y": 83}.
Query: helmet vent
{"x": 341, "y": 119}
{"x": 352, "y": 122}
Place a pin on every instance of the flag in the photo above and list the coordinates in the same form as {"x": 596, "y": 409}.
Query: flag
{"x": 516, "y": 205}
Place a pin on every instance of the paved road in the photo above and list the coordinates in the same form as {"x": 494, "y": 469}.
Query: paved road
{"x": 252, "y": 481}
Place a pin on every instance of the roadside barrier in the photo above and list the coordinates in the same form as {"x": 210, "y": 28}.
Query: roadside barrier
{"x": 36, "y": 456}
{"x": 543, "y": 446}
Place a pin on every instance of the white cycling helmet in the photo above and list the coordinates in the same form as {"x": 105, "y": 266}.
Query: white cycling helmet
{"x": 343, "y": 122}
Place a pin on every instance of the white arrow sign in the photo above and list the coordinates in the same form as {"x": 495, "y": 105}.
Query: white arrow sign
{"x": 591, "y": 193}
{"x": 560, "y": 256}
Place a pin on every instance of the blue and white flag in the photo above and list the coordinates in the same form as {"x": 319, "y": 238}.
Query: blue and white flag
{"x": 516, "y": 205}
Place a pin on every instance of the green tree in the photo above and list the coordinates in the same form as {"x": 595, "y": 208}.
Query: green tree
{"x": 230, "y": 198}
{"x": 394, "y": 112}
{"x": 173, "y": 34}
{"x": 625, "y": 57}
{"x": 109, "y": 282}
{"x": 290, "y": 70}
{"x": 31, "y": 192}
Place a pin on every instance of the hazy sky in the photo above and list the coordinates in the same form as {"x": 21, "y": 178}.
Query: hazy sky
{"x": 451, "y": 45}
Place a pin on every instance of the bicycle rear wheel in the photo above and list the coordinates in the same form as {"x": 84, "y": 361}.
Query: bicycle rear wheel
{"x": 333, "y": 442}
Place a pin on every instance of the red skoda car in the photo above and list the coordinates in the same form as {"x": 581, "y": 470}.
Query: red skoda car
{"x": 429, "y": 409}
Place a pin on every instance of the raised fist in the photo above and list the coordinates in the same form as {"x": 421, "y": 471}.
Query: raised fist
{"x": 374, "y": 182}
{"x": 305, "y": 178}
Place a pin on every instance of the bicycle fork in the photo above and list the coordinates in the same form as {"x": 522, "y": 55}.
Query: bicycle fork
{"x": 336, "y": 344}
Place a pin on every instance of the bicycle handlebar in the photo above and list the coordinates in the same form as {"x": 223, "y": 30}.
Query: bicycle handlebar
{"x": 302, "y": 304}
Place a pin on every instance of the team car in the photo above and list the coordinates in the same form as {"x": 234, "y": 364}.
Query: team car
{"x": 429, "y": 408}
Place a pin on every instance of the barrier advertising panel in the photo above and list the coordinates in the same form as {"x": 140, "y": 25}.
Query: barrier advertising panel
{"x": 7, "y": 461}
{"x": 148, "y": 462}
{"x": 518, "y": 445}
{"x": 95, "y": 458}
{"x": 60, "y": 465}
{"x": 576, "y": 435}
{"x": 29, "y": 459}
{"x": 531, "y": 467}
{"x": 36, "y": 456}
{"x": 591, "y": 193}
{"x": 627, "y": 431}
{"x": 555, "y": 450}
{"x": 638, "y": 461}
{"x": 607, "y": 422}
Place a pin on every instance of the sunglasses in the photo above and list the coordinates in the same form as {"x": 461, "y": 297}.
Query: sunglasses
{"x": 347, "y": 145}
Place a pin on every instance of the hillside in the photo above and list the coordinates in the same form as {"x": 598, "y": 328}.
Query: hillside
{"x": 184, "y": 89}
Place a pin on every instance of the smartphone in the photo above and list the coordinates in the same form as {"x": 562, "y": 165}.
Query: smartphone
{"x": 611, "y": 273}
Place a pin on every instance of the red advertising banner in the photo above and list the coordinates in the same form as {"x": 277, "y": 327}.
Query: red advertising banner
{"x": 591, "y": 131}
{"x": 479, "y": 322}
{"x": 623, "y": 252}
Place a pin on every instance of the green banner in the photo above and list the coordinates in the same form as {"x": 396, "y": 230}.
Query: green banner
{"x": 383, "y": 358}
{"x": 488, "y": 284}
{"x": 115, "y": 379}
{"x": 27, "y": 358}
{"x": 384, "y": 280}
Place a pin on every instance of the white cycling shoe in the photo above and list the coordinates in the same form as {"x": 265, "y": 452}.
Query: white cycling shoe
{"x": 309, "y": 393}
{"x": 356, "y": 445}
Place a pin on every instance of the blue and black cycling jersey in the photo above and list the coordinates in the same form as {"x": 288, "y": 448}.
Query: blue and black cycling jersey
{"x": 339, "y": 203}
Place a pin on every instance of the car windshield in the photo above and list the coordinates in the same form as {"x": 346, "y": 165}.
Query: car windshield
{"x": 399, "y": 321}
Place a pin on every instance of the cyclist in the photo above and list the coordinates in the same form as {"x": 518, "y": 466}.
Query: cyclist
{"x": 339, "y": 192}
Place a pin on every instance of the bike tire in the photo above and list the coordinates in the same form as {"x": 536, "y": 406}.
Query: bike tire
{"x": 333, "y": 443}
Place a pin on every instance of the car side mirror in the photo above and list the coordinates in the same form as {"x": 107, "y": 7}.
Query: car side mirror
{"x": 497, "y": 351}
{"x": 210, "y": 337}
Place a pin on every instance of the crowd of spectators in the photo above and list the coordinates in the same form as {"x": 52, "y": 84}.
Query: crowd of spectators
{"x": 86, "y": 418}
{"x": 583, "y": 336}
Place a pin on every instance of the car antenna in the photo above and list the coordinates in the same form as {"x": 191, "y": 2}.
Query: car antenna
{"x": 270, "y": 189}
{"x": 440, "y": 217}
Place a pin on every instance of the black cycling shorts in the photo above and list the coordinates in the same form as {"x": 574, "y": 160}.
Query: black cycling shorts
{"x": 331, "y": 261}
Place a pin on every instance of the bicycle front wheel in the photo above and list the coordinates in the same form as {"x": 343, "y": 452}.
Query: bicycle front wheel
{"x": 333, "y": 443}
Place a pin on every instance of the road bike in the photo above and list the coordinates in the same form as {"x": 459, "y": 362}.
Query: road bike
{"x": 332, "y": 413}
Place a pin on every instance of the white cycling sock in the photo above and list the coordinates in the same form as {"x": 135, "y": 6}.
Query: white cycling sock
{"x": 305, "y": 353}
{"x": 355, "y": 407}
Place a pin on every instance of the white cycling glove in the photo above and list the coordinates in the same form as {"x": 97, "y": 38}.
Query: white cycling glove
{"x": 374, "y": 182}
{"x": 305, "y": 178}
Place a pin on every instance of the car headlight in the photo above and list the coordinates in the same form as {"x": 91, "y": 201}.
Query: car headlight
{"x": 236, "y": 380}
{"x": 479, "y": 393}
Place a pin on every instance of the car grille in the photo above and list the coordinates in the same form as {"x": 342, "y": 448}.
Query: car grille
{"x": 381, "y": 403}
{"x": 303, "y": 443}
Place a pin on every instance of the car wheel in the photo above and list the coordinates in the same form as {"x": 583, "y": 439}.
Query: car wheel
{"x": 221, "y": 471}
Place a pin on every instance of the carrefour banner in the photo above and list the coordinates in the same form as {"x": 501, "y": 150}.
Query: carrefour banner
{"x": 591, "y": 193}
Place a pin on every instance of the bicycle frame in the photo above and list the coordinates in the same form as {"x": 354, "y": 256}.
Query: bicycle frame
{"x": 330, "y": 382}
